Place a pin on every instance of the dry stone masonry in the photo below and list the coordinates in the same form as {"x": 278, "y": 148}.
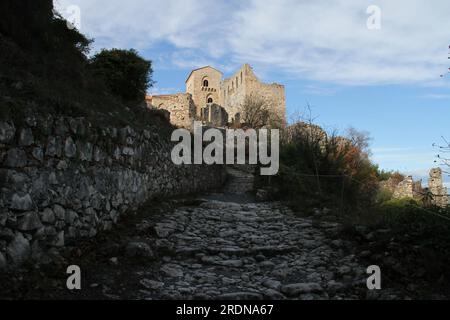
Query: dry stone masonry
{"x": 405, "y": 189}
{"x": 180, "y": 106}
{"x": 62, "y": 178}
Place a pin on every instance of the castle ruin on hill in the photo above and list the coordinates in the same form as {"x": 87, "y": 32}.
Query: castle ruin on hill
{"x": 217, "y": 101}
{"x": 408, "y": 188}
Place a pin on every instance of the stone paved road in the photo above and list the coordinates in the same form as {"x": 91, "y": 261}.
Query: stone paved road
{"x": 232, "y": 247}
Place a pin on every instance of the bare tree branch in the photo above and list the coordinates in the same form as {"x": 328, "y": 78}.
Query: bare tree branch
{"x": 257, "y": 113}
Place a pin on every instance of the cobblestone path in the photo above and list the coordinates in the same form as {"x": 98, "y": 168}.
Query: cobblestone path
{"x": 232, "y": 247}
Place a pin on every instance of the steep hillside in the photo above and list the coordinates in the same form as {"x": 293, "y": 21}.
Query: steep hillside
{"x": 44, "y": 68}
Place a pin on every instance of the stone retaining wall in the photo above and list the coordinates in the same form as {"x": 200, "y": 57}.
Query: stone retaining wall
{"x": 62, "y": 178}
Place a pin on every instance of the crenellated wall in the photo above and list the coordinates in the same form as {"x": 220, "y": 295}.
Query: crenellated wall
{"x": 63, "y": 178}
{"x": 244, "y": 83}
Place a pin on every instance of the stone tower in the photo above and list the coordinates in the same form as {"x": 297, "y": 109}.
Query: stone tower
{"x": 204, "y": 86}
{"x": 436, "y": 187}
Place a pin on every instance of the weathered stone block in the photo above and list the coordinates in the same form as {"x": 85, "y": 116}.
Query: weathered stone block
{"x": 21, "y": 202}
{"x": 38, "y": 153}
{"x": 16, "y": 158}
{"x": 48, "y": 216}
{"x": 6, "y": 234}
{"x": 26, "y": 137}
{"x": 60, "y": 127}
{"x": 98, "y": 154}
{"x": 30, "y": 221}
{"x": 2, "y": 261}
{"x": 70, "y": 148}
{"x": 53, "y": 147}
{"x": 19, "y": 249}
{"x": 128, "y": 151}
{"x": 31, "y": 121}
{"x": 52, "y": 179}
{"x": 59, "y": 211}
{"x": 70, "y": 217}
{"x": 85, "y": 151}
{"x": 59, "y": 240}
{"x": 62, "y": 165}
{"x": 7, "y": 131}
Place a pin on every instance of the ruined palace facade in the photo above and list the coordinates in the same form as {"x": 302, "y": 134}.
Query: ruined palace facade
{"x": 206, "y": 90}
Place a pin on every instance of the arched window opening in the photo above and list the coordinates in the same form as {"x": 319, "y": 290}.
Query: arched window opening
{"x": 210, "y": 100}
{"x": 205, "y": 83}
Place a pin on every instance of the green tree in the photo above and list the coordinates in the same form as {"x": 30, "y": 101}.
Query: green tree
{"x": 125, "y": 73}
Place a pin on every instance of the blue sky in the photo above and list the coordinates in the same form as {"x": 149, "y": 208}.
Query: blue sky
{"x": 385, "y": 81}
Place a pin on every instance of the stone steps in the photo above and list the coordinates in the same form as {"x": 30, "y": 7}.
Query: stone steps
{"x": 238, "y": 181}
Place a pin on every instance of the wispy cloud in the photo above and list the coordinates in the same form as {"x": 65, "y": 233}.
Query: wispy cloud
{"x": 436, "y": 96}
{"x": 156, "y": 90}
{"x": 405, "y": 159}
{"x": 318, "y": 90}
{"x": 391, "y": 150}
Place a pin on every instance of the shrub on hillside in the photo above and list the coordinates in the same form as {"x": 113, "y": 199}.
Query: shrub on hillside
{"x": 411, "y": 216}
{"x": 383, "y": 195}
{"x": 321, "y": 170}
{"x": 127, "y": 75}
{"x": 45, "y": 68}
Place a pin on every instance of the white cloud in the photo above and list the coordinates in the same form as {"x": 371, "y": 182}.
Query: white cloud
{"x": 317, "y": 40}
{"x": 140, "y": 24}
{"x": 403, "y": 154}
{"x": 318, "y": 90}
{"x": 436, "y": 96}
{"x": 157, "y": 90}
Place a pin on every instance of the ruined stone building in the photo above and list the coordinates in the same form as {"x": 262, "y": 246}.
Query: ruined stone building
{"x": 215, "y": 100}
{"x": 408, "y": 188}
